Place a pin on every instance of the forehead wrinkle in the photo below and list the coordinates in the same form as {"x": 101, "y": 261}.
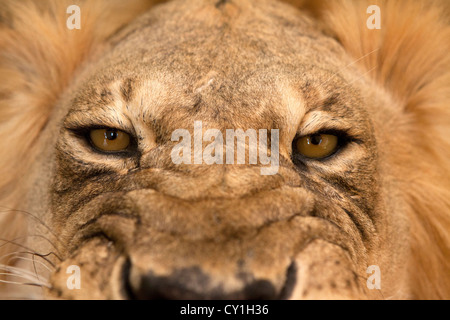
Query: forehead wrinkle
{"x": 151, "y": 98}
{"x": 295, "y": 107}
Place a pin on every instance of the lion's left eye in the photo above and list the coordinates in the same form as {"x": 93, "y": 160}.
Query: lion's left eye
{"x": 317, "y": 146}
{"x": 110, "y": 140}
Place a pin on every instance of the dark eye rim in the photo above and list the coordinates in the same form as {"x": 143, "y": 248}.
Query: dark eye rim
{"x": 84, "y": 134}
{"x": 343, "y": 140}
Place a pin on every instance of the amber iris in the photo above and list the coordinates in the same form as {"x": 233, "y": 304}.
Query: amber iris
{"x": 317, "y": 146}
{"x": 110, "y": 140}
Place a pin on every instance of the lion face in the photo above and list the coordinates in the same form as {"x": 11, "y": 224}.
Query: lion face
{"x": 138, "y": 225}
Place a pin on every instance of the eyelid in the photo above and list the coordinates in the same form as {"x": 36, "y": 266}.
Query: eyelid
{"x": 316, "y": 122}
{"x": 84, "y": 120}
{"x": 343, "y": 135}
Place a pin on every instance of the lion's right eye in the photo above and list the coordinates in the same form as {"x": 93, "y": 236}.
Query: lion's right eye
{"x": 110, "y": 140}
{"x": 317, "y": 146}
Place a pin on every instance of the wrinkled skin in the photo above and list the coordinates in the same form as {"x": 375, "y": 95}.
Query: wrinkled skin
{"x": 139, "y": 226}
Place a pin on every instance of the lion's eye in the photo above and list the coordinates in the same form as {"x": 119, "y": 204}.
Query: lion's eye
{"x": 110, "y": 140}
{"x": 317, "y": 146}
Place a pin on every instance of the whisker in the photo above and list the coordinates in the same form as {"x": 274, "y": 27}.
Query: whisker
{"x": 31, "y": 253}
{"x": 8, "y": 210}
{"x": 26, "y": 284}
{"x": 360, "y": 77}
{"x": 357, "y": 60}
{"x": 27, "y": 248}
{"x": 28, "y": 259}
{"x": 34, "y": 266}
{"x": 39, "y": 236}
{"x": 21, "y": 273}
{"x": 18, "y": 256}
{"x": 16, "y": 270}
{"x": 43, "y": 257}
{"x": 18, "y": 276}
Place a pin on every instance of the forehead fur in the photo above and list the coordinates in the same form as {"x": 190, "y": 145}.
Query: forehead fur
{"x": 237, "y": 43}
{"x": 263, "y": 62}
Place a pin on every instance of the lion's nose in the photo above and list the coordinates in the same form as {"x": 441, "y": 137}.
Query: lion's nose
{"x": 191, "y": 284}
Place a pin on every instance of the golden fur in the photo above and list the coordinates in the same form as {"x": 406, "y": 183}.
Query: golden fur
{"x": 407, "y": 64}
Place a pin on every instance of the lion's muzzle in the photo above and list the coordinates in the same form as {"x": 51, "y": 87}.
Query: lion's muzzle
{"x": 242, "y": 246}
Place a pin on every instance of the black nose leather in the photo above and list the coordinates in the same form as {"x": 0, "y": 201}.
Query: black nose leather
{"x": 193, "y": 284}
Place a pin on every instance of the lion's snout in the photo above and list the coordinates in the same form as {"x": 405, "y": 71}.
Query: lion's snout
{"x": 247, "y": 245}
{"x": 224, "y": 253}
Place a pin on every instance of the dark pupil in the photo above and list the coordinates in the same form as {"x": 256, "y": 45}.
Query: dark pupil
{"x": 316, "y": 139}
{"x": 111, "y": 134}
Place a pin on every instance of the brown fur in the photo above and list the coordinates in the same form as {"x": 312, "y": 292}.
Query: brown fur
{"x": 391, "y": 207}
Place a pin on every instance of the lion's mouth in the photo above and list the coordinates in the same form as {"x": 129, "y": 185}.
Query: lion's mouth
{"x": 254, "y": 266}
